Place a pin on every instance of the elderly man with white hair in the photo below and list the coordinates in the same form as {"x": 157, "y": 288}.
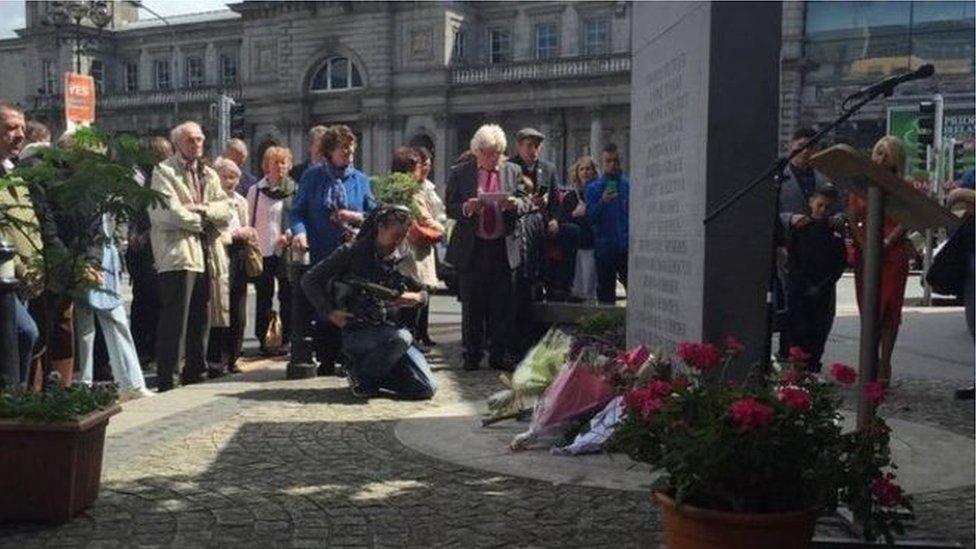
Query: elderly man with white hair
{"x": 484, "y": 197}
{"x": 190, "y": 259}
{"x": 235, "y": 150}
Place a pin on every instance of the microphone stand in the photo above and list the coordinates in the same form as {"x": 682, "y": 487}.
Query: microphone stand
{"x": 776, "y": 172}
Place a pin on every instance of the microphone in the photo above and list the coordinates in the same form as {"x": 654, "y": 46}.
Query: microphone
{"x": 887, "y": 85}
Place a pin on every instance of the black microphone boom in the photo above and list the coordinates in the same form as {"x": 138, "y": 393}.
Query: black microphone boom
{"x": 887, "y": 85}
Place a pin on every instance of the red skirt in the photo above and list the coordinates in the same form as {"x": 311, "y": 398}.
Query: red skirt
{"x": 894, "y": 274}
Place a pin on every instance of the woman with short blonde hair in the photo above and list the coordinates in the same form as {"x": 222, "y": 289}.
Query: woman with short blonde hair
{"x": 888, "y": 152}
{"x": 269, "y": 202}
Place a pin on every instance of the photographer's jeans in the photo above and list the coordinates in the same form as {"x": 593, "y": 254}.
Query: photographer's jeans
{"x": 383, "y": 357}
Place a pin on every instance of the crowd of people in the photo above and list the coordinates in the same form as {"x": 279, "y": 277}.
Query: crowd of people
{"x": 354, "y": 276}
{"x": 313, "y": 238}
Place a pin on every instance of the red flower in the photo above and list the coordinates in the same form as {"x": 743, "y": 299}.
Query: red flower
{"x": 790, "y": 376}
{"x": 843, "y": 373}
{"x": 733, "y": 346}
{"x": 749, "y": 413}
{"x": 634, "y": 358}
{"x": 798, "y": 354}
{"x": 644, "y": 400}
{"x": 659, "y": 388}
{"x": 795, "y": 398}
{"x": 700, "y": 356}
{"x": 885, "y": 491}
{"x": 875, "y": 393}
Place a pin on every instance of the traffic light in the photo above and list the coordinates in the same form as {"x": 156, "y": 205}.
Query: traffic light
{"x": 237, "y": 120}
{"x": 926, "y": 124}
{"x": 959, "y": 163}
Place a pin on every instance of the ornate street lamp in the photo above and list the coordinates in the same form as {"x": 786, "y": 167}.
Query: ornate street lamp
{"x": 70, "y": 14}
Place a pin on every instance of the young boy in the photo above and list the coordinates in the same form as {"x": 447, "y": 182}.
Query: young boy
{"x": 817, "y": 259}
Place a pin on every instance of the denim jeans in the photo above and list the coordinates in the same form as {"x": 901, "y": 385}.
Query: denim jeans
{"x": 383, "y": 357}
{"x": 27, "y": 335}
{"x": 122, "y": 356}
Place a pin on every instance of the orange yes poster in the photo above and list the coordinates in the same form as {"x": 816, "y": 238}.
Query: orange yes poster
{"x": 79, "y": 98}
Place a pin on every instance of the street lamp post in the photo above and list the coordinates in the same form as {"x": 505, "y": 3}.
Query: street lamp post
{"x": 61, "y": 14}
{"x": 172, "y": 47}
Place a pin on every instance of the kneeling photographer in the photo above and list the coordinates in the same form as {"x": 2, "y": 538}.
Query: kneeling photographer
{"x": 358, "y": 289}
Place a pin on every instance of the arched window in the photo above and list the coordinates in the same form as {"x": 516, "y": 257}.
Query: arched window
{"x": 338, "y": 73}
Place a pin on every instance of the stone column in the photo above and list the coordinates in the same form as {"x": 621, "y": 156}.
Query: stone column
{"x": 145, "y": 70}
{"x": 367, "y": 146}
{"x": 442, "y": 152}
{"x": 176, "y": 68}
{"x": 211, "y": 68}
{"x": 596, "y": 133}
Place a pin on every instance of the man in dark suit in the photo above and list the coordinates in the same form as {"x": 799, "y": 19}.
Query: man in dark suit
{"x": 557, "y": 253}
{"x": 483, "y": 198}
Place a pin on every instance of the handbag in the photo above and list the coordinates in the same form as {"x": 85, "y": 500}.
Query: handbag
{"x": 253, "y": 260}
{"x": 947, "y": 274}
{"x": 273, "y": 337}
{"x": 422, "y": 235}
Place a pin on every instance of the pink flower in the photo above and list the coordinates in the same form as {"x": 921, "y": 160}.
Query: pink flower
{"x": 799, "y": 354}
{"x": 796, "y": 398}
{"x": 790, "y": 376}
{"x": 749, "y": 413}
{"x": 875, "y": 393}
{"x": 843, "y": 373}
{"x": 886, "y": 491}
{"x": 659, "y": 388}
{"x": 634, "y": 358}
{"x": 733, "y": 346}
{"x": 700, "y": 356}
{"x": 644, "y": 400}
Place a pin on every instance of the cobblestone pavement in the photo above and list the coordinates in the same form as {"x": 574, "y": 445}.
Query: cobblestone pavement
{"x": 303, "y": 464}
{"x": 274, "y": 463}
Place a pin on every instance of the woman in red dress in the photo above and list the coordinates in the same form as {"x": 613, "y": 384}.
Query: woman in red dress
{"x": 890, "y": 153}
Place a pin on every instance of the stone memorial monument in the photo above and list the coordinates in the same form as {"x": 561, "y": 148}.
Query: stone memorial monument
{"x": 704, "y": 121}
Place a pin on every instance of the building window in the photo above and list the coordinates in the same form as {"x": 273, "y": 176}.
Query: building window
{"x": 163, "y": 80}
{"x": 596, "y": 37}
{"x": 131, "y": 77}
{"x": 228, "y": 70}
{"x": 546, "y": 41}
{"x": 500, "y": 46}
{"x": 862, "y": 41}
{"x": 49, "y": 85}
{"x": 97, "y": 71}
{"x": 338, "y": 73}
{"x": 194, "y": 72}
{"x": 457, "y": 52}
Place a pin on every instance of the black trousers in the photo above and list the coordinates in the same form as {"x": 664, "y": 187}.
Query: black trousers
{"x": 184, "y": 325}
{"x": 264, "y": 286}
{"x": 226, "y": 341}
{"x": 609, "y": 267}
{"x": 144, "y": 312}
{"x": 487, "y": 302}
{"x": 326, "y": 337}
{"x": 809, "y": 324}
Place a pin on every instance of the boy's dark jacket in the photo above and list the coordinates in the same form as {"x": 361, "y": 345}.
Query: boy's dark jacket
{"x": 817, "y": 258}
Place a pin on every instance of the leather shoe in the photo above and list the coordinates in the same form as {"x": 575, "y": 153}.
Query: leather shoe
{"x": 191, "y": 379}
{"x": 966, "y": 394}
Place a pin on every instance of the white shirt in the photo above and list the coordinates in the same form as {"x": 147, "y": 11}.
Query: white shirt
{"x": 434, "y": 202}
{"x": 267, "y": 218}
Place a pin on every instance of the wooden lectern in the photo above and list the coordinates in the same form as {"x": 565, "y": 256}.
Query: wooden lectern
{"x": 886, "y": 195}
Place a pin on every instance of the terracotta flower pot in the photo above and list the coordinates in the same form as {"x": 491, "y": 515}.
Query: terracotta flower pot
{"x": 50, "y": 472}
{"x": 695, "y": 528}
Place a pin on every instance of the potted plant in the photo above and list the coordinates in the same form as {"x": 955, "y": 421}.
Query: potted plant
{"x": 52, "y": 443}
{"x": 753, "y": 463}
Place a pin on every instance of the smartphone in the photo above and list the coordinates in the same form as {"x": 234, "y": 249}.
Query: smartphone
{"x": 611, "y": 186}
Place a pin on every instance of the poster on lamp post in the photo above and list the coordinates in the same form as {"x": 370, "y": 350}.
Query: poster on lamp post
{"x": 79, "y": 100}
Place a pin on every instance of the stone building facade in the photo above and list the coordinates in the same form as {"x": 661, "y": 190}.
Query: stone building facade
{"x": 396, "y": 72}
{"x": 431, "y": 72}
